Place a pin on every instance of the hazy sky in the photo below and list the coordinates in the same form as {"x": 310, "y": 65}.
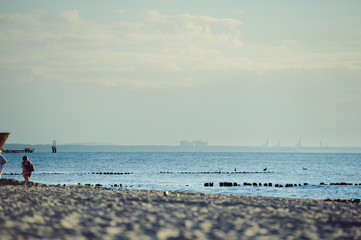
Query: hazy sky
{"x": 156, "y": 72}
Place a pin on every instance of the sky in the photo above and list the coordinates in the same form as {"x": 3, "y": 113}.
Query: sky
{"x": 155, "y": 72}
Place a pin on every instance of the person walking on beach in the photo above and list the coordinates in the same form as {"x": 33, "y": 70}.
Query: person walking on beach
{"x": 28, "y": 168}
{"x": 2, "y": 163}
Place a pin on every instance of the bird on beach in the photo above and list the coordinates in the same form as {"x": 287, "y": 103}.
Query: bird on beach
{"x": 265, "y": 169}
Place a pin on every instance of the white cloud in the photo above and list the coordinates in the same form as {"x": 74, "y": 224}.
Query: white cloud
{"x": 17, "y": 18}
{"x": 77, "y": 48}
{"x": 71, "y": 16}
{"x": 152, "y": 49}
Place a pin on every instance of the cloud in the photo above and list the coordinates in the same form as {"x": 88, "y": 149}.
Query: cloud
{"x": 71, "y": 16}
{"x": 127, "y": 52}
{"x": 144, "y": 49}
{"x": 18, "y": 18}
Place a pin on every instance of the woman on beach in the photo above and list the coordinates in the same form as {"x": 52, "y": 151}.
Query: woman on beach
{"x": 2, "y": 163}
{"x": 28, "y": 168}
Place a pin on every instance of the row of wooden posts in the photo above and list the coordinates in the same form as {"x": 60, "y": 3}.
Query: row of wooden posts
{"x": 216, "y": 172}
{"x": 235, "y": 184}
{"x": 56, "y": 173}
{"x": 113, "y": 173}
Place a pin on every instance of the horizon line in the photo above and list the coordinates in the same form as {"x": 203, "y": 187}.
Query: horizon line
{"x": 170, "y": 145}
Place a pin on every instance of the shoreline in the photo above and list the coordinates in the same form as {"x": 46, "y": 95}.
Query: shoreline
{"x": 39, "y": 211}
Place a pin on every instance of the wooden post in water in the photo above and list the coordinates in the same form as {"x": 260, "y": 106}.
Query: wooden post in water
{"x": 54, "y": 146}
{"x": 3, "y": 137}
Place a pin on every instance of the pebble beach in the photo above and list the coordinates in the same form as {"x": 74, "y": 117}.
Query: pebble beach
{"x": 38, "y": 211}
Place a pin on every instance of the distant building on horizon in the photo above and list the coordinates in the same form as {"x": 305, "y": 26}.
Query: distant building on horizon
{"x": 298, "y": 145}
{"x": 197, "y": 143}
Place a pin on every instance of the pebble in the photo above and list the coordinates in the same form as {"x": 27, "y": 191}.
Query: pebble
{"x": 168, "y": 233}
{"x": 55, "y": 212}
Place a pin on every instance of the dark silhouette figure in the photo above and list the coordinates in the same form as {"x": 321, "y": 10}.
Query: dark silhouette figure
{"x": 28, "y": 168}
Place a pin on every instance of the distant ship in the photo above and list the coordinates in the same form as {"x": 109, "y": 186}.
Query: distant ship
{"x": 26, "y": 150}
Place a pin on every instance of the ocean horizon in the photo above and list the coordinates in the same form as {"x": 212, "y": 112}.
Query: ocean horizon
{"x": 98, "y": 147}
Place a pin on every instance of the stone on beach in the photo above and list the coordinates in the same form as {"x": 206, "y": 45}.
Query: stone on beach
{"x": 38, "y": 211}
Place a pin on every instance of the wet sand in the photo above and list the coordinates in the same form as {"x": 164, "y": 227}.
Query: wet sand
{"x": 37, "y": 211}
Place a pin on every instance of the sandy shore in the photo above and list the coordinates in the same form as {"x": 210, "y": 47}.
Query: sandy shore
{"x": 34, "y": 211}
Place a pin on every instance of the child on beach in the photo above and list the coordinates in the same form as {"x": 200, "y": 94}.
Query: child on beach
{"x": 28, "y": 168}
{"x": 2, "y": 163}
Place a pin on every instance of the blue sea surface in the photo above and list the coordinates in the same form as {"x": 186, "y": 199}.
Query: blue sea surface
{"x": 188, "y": 171}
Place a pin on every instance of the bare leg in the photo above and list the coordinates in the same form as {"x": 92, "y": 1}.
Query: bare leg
{"x": 26, "y": 178}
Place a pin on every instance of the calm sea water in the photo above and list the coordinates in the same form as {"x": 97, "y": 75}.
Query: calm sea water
{"x": 189, "y": 171}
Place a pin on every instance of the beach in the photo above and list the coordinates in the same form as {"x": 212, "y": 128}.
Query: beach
{"x": 38, "y": 211}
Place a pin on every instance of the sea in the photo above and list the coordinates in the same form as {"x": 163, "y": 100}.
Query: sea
{"x": 286, "y": 174}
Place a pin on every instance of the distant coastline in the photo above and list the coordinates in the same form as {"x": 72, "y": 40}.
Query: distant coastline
{"x": 177, "y": 148}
